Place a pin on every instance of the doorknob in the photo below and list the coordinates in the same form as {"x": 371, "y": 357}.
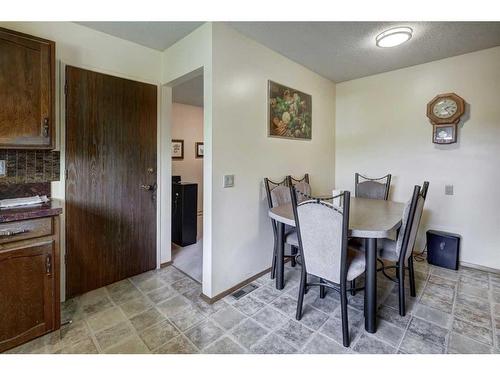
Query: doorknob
{"x": 146, "y": 187}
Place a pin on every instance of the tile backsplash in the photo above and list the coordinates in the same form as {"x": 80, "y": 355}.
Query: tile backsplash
{"x": 30, "y": 166}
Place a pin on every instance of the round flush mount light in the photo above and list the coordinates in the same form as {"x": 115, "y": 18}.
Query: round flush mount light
{"x": 394, "y": 37}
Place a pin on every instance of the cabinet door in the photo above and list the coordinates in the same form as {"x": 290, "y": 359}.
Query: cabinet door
{"x": 26, "y": 294}
{"x": 27, "y": 84}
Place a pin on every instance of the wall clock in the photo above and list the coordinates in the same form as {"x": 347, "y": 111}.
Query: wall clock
{"x": 444, "y": 112}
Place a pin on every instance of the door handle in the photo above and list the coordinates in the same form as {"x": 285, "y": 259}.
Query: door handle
{"x": 45, "y": 127}
{"x": 48, "y": 264}
{"x": 10, "y": 233}
{"x": 147, "y": 187}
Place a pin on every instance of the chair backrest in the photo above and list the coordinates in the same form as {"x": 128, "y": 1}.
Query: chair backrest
{"x": 322, "y": 230}
{"x": 301, "y": 184}
{"x": 372, "y": 188}
{"x": 412, "y": 215}
{"x": 277, "y": 193}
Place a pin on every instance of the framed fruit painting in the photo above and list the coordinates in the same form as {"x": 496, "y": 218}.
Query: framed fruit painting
{"x": 289, "y": 112}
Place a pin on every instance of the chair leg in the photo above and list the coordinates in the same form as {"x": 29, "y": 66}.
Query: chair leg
{"x": 294, "y": 252}
{"x": 302, "y": 291}
{"x": 345, "y": 322}
{"x": 401, "y": 285}
{"x": 304, "y": 280}
{"x": 322, "y": 290}
{"x": 273, "y": 265}
{"x": 353, "y": 287}
{"x": 411, "y": 274}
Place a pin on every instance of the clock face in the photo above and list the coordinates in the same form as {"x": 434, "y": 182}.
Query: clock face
{"x": 445, "y": 108}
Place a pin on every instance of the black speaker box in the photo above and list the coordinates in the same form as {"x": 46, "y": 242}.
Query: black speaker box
{"x": 442, "y": 249}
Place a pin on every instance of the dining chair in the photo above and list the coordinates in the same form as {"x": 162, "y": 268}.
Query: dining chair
{"x": 400, "y": 251}
{"x": 372, "y": 188}
{"x": 301, "y": 184}
{"x": 322, "y": 230}
{"x": 278, "y": 194}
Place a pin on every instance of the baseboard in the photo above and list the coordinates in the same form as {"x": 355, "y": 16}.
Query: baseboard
{"x": 480, "y": 268}
{"x": 234, "y": 288}
{"x": 166, "y": 264}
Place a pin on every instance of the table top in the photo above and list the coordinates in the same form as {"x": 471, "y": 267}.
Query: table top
{"x": 368, "y": 218}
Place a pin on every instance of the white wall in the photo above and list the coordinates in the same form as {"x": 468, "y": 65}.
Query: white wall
{"x": 86, "y": 48}
{"x": 187, "y": 124}
{"x": 381, "y": 127}
{"x": 241, "y": 234}
{"x": 191, "y": 54}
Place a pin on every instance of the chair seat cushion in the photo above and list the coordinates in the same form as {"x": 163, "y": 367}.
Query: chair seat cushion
{"x": 356, "y": 263}
{"x": 387, "y": 250}
{"x": 291, "y": 238}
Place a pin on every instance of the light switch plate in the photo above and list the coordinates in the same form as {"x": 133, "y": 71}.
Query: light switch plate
{"x": 228, "y": 180}
{"x": 448, "y": 189}
{"x": 3, "y": 170}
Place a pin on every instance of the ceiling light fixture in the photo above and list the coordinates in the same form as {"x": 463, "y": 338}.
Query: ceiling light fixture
{"x": 394, "y": 37}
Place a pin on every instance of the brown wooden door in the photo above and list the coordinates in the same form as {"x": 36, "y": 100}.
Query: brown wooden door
{"x": 26, "y": 293}
{"x": 110, "y": 152}
{"x": 27, "y": 83}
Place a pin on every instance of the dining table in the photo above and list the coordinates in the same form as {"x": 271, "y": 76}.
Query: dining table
{"x": 369, "y": 219}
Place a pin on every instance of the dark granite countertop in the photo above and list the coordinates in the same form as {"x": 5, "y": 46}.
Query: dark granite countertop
{"x": 52, "y": 208}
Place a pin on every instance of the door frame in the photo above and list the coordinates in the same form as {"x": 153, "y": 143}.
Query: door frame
{"x": 165, "y": 169}
{"x": 59, "y": 187}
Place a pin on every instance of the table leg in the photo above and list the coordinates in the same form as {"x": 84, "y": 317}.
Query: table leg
{"x": 280, "y": 256}
{"x": 371, "y": 285}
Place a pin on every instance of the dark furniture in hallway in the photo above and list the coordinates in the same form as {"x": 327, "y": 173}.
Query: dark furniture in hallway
{"x": 184, "y": 211}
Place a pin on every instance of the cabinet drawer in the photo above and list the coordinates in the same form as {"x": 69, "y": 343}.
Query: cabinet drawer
{"x": 25, "y": 229}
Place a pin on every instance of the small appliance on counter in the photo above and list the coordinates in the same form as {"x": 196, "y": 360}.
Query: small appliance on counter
{"x": 23, "y": 202}
{"x": 442, "y": 249}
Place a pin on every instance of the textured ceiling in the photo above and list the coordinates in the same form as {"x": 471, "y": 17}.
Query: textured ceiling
{"x": 339, "y": 51}
{"x": 189, "y": 92}
{"x": 156, "y": 35}
{"x": 342, "y": 51}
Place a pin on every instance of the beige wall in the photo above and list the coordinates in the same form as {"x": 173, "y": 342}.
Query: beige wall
{"x": 187, "y": 124}
{"x": 241, "y": 234}
{"x": 381, "y": 127}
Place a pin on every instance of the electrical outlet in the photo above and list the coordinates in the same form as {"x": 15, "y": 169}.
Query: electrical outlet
{"x": 3, "y": 170}
{"x": 448, "y": 189}
{"x": 228, "y": 180}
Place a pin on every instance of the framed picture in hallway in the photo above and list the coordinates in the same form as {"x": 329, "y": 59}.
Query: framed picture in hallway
{"x": 177, "y": 149}
{"x": 289, "y": 112}
{"x": 199, "y": 149}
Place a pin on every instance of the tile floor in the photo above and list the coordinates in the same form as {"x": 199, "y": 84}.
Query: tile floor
{"x": 161, "y": 312}
{"x": 189, "y": 259}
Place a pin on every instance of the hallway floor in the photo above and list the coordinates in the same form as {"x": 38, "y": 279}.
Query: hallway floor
{"x": 189, "y": 259}
{"x": 161, "y": 312}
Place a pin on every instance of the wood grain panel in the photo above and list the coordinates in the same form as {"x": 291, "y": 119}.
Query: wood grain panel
{"x": 25, "y": 229}
{"x": 27, "y": 90}
{"x": 27, "y": 293}
{"x": 110, "y": 145}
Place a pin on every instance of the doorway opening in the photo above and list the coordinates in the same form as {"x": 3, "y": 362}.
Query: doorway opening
{"x": 187, "y": 175}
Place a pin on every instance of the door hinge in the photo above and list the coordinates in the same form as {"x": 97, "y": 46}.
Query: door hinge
{"x": 65, "y": 88}
{"x": 65, "y": 174}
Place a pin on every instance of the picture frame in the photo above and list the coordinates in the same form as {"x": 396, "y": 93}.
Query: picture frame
{"x": 199, "y": 150}
{"x": 444, "y": 134}
{"x": 177, "y": 149}
{"x": 289, "y": 112}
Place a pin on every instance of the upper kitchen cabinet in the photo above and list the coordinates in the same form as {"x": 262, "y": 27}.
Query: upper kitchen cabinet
{"x": 27, "y": 91}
